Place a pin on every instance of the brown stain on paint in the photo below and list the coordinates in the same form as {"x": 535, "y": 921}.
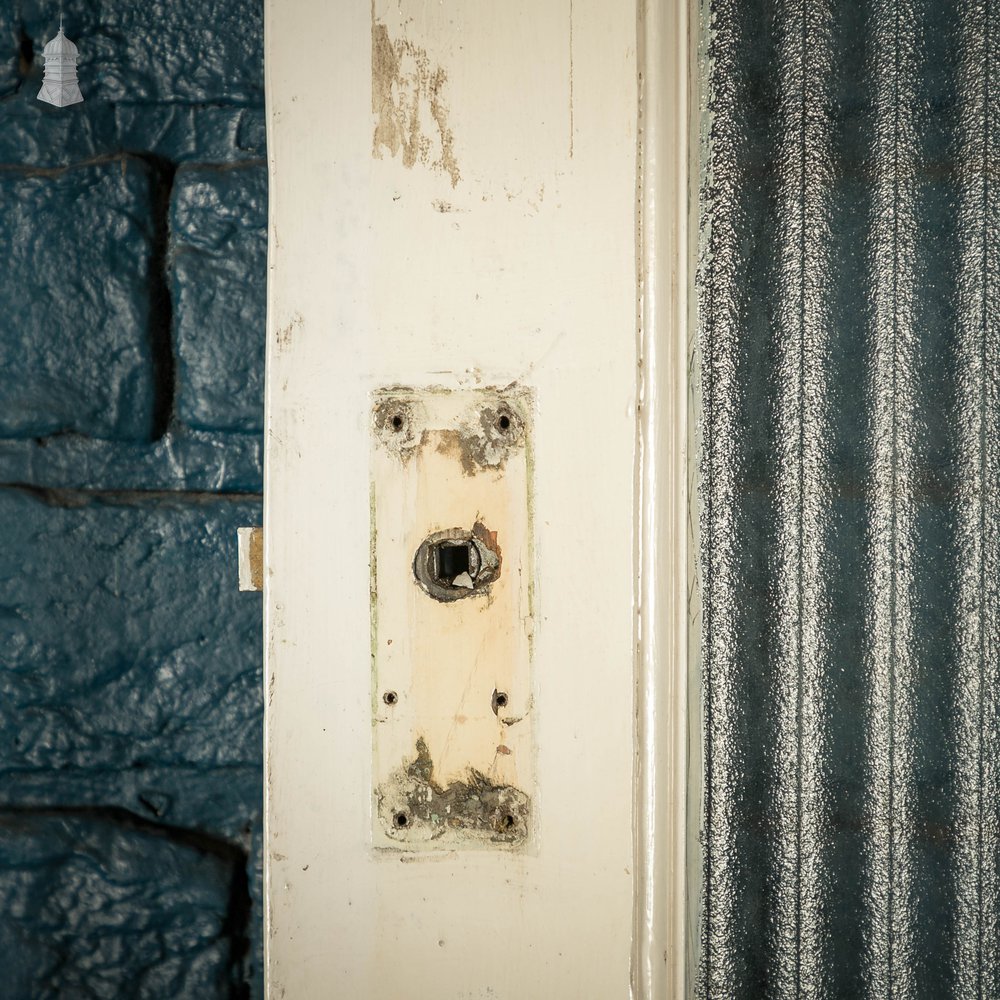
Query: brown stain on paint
{"x": 409, "y": 104}
{"x": 572, "y": 126}
{"x": 385, "y": 72}
{"x": 285, "y": 333}
{"x": 439, "y": 112}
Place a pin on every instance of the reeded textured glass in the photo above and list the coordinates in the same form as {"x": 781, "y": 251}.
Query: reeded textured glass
{"x": 849, "y": 331}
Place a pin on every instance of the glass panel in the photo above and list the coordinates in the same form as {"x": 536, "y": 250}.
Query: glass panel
{"x": 849, "y": 299}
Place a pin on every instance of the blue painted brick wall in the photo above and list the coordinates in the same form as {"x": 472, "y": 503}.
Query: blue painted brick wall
{"x": 77, "y": 252}
{"x": 215, "y": 226}
{"x": 131, "y": 409}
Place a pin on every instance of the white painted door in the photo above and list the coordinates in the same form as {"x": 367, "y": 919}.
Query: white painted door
{"x": 462, "y": 790}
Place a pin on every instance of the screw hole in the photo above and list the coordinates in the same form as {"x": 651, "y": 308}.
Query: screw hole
{"x": 401, "y": 821}
{"x": 501, "y": 700}
{"x": 397, "y": 422}
{"x": 390, "y": 697}
{"x": 504, "y": 422}
{"x": 508, "y": 822}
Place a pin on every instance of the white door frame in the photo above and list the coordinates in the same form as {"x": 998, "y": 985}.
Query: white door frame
{"x": 503, "y": 176}
{"x": 667, "y": 703}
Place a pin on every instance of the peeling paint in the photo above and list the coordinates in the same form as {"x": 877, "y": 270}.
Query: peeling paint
{"x": 482, "y": 442}
{"x": 399, "y": 425}
{"x": 410, "y": 106}
{"x": 412, "y": 806}
{"x": 485, "y": 442}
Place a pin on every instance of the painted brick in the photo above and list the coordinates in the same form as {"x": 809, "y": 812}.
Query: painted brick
{"x": 181, "y": 460}
{"x": 197, "y": 51}
{"x": 130, "y": 707}
{"x": 218, "y": 224}
{"x": 10, "y": 51}
{"x": 222, "y": 803}
{"x": 192, "y": 134}
{"x": 255, "y": 881}
{"x": 33, "y": 133}
{"x": 99, "y": 906}
{"x": 75, "y": 351}
{"x": 130, "y": 657}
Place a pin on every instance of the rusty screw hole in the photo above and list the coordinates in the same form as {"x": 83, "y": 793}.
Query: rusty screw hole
{"x": 504, "y": 422}
{"x": 507, "y": 823}
{"x": 390, "y": 697}
{"x": 400, "y": 821}
{"x": 397, "y": 422}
